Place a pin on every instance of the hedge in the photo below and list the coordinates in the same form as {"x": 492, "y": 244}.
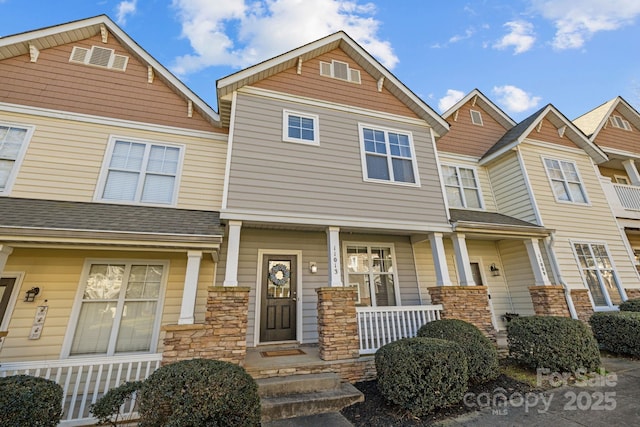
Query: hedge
{"x": 617, "y": 332}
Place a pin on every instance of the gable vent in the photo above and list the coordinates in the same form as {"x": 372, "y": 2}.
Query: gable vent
{"x": 99, "y": 57}
{"x": 339, "y": 70}
{"x": 620, "y": 123}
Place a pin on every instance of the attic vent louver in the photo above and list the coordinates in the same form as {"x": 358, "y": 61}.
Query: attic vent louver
{"x": 339, "y": 70}
{"x": 620, "y": 123}
{"x": 99, "y": 57}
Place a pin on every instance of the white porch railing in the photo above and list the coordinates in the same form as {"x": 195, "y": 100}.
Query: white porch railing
{"x": 85, "y": 380}
{"x": 629, "y": 196}
{"x": 378, "y": 326}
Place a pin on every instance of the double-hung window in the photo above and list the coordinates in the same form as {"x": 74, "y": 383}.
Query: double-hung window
{"x": 119, "y": 308}
{"x": 461, "y": 185}
{"x": 141, "y": 172}
{"x": 13, "y": 144}
{"x": 599, "y": 274}
{"x": 565, "y": 181}
{"x": 387, "y": 155}
{"x": 370, "y": 268}
{"x": 300, "y": 127}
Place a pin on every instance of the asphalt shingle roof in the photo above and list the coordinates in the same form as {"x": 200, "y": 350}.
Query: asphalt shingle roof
{"x": 487, "y": 218}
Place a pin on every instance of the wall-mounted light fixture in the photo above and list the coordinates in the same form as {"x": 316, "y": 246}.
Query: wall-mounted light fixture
{"x": 313, "y": 267}
{"x": 30, "y": 295}
{"x": 495, "y": 271}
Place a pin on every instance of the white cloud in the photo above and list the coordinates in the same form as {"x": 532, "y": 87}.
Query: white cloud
{"x": 458, "y": 37}
{"x": 240, "y": 33}
{"x": 124, "y": 9}
{"x": 449, "y": 99}
{"x": 577, "y": 21}
{"x": 515, "y": 100}
{"x": 520, "y": 37}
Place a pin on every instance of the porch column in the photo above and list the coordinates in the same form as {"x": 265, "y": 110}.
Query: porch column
{"x": 462, "y": 259}
{"x": 190, "y": 288}
{"x": 333, "y": 246}
{"x": 632, "y": 171}
{"x": 537, "y": 263}
{"x": 439, "y": 259}
{"x": 5, "y": 251}
{"x": 233, "y": 252}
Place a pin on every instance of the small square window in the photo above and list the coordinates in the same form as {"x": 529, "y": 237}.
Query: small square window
{"x": 300, "y": 127}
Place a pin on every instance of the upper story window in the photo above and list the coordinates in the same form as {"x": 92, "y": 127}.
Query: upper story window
{"x": 620, "y": 123}
{"x": 461, "y": 185}
{"x": 13, "y": 145}
{"x": 370, "y": 268}
{"x": 476, "y": 117}
{"x": 599, "y": 274}
{"x": 565, "y": 181}
{"x": 144, "y": 172}
{"x": 387, "y": 155}
{"x": 339, "y": 70}
{"x": 300, "y": 127}
{"x": 118, "y": 310}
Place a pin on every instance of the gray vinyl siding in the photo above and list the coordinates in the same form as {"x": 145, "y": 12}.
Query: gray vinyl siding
{"x": 510, "y": 188}
{"x": 267, "y": 174}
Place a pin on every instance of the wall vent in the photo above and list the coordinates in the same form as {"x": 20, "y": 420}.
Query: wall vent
{"x": 339, "y": 70}
{"x": 99, "y": 57}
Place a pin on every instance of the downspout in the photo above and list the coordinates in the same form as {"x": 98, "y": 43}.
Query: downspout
{"x": 548, "y": 243}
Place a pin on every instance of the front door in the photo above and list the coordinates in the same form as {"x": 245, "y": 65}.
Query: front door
{"x": 6, "y": 288}
{"x": 279, "y": 298}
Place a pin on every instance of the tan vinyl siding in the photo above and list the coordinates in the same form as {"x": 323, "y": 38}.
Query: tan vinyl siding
{"x": 619, "y": 139}
{"x": 517, "y": 273}
{"x": 593, "y": 222}
{"x": 58, "y": 272}
{"x": 482, "y": 175}
{"x": 55, "y": 83}
{"x": 64, "y": 158}
{"x": 468, "y": 139}
{"x": 510, "y": 188}
{"x": 268, "y": 174}
{"x": 311, "y": 84}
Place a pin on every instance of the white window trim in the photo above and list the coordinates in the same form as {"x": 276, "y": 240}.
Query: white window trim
{"x": 363, "y": 156}
{"x": 11, "y": 304}
{"x": 478, "y": 187}
{"x": 621, "y": 177}
{"x": 479, "y": 116}
{"x": 610, "y": 306}
{"x": 23, "y": 150}
{"x": 555, "y": 196}
{"x": 285, "y": 127}
{"x": 77, "y": 303}
{"x": 369, "y": 245}
{"x": 104, "y": 171}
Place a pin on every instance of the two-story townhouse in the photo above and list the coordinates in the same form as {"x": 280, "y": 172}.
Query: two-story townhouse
{"x": 615, "y": 127}
{"x": 111, "y": 179}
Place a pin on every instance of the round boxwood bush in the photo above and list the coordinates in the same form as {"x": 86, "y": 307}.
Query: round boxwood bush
{"x": 560, "y": 344}
{"x": 630, "y": 305}
{"x": 481, "y": 354}
{"x": 422, "y": 374}
{"x": 29, "y": 401}
{"x": 199, "y": 392}
{"x": 617, "y": 332}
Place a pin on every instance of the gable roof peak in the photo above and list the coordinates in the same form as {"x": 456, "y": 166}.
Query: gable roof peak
{"x": 479, "y": 98}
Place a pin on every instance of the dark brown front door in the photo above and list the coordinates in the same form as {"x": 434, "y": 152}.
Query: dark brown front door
{"x": 6, "y": 288}
{"x": 279, "y": 298}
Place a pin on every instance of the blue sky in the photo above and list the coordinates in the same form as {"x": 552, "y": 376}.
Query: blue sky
{"x": 523, "y": 54}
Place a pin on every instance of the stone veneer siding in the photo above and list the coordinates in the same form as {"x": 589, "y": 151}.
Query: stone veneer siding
{"x": 468, "y": 303}
{"x": 632, "y": 293}
{"x": 354, "y": 370}
{"x": 582, "y": 304}
{"x": 337, "y": 323}
{"x": 221, "y": 337}
{"x": 549, "y": 301}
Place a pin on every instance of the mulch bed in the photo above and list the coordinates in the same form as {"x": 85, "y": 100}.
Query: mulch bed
{"x": 375, "y": 411}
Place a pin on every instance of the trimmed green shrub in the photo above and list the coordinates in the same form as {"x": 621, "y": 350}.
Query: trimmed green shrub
{"x": 30, "y": 401}
{"x": 617, "y": 332}
{"x": 199, "y": 392}
{"x": 630, "y": 305}
{"x": 107, "y": 408}
{"x": 560, "y": 344}
{"x": 481, "y": 354}
{"x": 422, "y": 374}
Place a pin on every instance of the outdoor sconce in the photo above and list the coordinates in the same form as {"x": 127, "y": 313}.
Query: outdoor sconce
{"x": 495, "y": 271}
{"x": 313, "y": 267}
{"x": 30, "y": 295}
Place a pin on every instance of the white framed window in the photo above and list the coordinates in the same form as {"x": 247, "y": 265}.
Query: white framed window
{"x": 388, "y": 156}
{"x": 599, "y": 274}
{"x": 300, "y": 127}
{"x": 462, "y": 187}
{"x": 370, "y": 268}
{"x": 14, "y": 140}
{"x": 621, "y": 179}
{"x": 620, "y": 123}
{"x": 137, "y": 171}
{"x": 117, "y": 309}
{"x": 476, "y": 117}
{"x": 339, "y": 70}
{"x": 565, "y": 181}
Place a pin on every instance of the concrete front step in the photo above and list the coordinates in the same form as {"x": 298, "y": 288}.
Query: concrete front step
{"x": 303, "y": 395}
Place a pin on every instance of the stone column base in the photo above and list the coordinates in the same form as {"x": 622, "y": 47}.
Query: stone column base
{"x": 549, "y": 301}
{"x": 337, "y": 323}
{"x": 633, "y": 293}
{"x": 468, "y": 303}
{"x": 582, "y": 304}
